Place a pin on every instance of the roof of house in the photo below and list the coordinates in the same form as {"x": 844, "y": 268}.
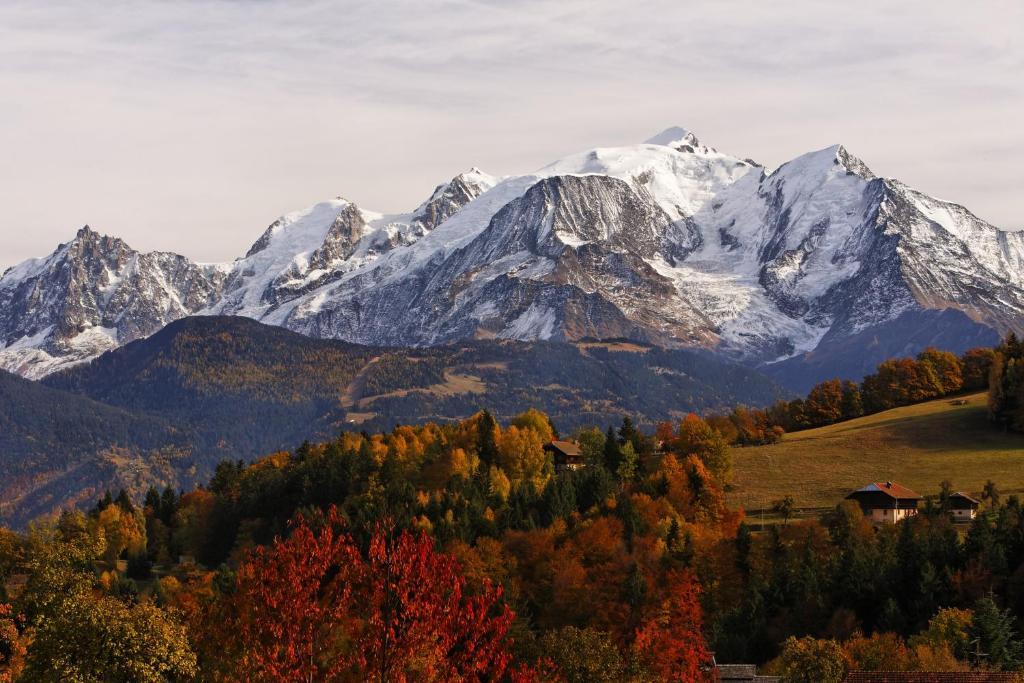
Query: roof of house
{"x": 930, "y": 677}
{"x": 731, "y": 671}
{"x": 963, "y": 496}
{"x": 566, "y": 447}
{"x": 741, "y": 673}
{"x": 889, "y": 488}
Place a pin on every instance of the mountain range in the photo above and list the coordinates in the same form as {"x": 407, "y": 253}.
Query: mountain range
{"x": 805, "y": 270}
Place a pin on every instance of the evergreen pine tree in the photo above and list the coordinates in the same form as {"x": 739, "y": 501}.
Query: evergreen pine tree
{"x": 124, "y": 501}
{"x": 152, "y": 500}
{"x": 612, "y": 451}
{"x": 636, "y": 587}
{"x": 993, "y": 638}
{"x": 744, "y": 543}
{"x": 168, "y": 505}
{"x": 486, "y": 446}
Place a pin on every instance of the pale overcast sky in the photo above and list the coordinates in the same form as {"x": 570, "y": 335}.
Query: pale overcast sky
{"x": 189, "y": 126}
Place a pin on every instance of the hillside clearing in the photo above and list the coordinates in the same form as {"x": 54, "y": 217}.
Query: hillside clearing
{"x": 918, "y": 446}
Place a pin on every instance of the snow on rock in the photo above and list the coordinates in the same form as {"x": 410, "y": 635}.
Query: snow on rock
{"x": 669, "y": 241}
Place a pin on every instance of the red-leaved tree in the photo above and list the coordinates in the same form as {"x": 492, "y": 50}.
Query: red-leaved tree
{"x": 291, "y": 615}
{"x": 419, "y": 624}
{"x": 670, "y": 643}
{"x": 312, "y": 608}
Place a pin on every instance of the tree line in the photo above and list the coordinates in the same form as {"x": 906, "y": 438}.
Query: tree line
{"x": 898, "y": 382}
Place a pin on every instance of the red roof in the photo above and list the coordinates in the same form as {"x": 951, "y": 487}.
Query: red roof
{"x": 930, "y": 677}
{"x": 889, "y": 488}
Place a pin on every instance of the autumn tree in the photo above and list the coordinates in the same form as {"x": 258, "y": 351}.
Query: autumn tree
{"x": 312, "y": 607}
{"x": 852, "y": 402}
{"x": 946, "y": 367}
{"x": 696, "y": 437}
{"x": 584, "y": 655}
{"x": 628, "y": 463}
{"x": 878, "y": 652}
{"x": 809, "y": 660}
{"x": 670, "y": 643}
{"x": 537, "y": 421}
{"x": 591, "y": 442}
{"x": 824, "y": 403}
{"x": 12, "y": 645}
{"x": 947, "y": 630}
{"x": 900, "y": 382}
{"x": 122, "y": 530}
{"x": 80, "y": 634}
{"x": 418, "y": 621}
{"x": 521, "y": 455}
{"x": 101, "y": 638}
{"x": 975, "y": 365}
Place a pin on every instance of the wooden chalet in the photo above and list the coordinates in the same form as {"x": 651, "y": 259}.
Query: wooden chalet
{"x": 963, "y": 507}
{"x": 566, "y": 455}
{"x": 886, "y": 502}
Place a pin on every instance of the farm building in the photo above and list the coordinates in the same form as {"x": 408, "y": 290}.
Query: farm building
{"x": 963, "y": 507}
{"x": 886, "y": 502}
{"x": 566, "y": 454}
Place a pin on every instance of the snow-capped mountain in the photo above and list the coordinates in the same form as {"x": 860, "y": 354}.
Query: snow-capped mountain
{"x": 670, "y": 241}
{"x": 91, "y": 295}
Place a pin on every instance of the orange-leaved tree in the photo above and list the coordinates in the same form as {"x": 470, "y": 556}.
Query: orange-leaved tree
{"x": 670, "y": 643}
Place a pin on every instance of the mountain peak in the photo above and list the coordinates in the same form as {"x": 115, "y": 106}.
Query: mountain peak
{"x": 853, "y": 163}
{"x": 675, "y": 137}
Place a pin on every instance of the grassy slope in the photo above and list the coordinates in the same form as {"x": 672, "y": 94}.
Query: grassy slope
{"x": 918, "y": 446}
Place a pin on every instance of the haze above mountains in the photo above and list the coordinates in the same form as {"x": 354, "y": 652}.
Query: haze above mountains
{"x": 815, "y": 268}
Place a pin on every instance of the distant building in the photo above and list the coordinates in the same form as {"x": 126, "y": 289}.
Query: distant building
{"x": 963, "y": 507}
{"x": 741, "y": 673}
{"x": 886, "y": 502}
{"x": 566, "y": 454}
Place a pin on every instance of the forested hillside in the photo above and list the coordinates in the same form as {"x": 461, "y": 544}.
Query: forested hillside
{"x": 167, "y": 408}
{"x": 456, "y": 552}
{"x": 57, "y": 449}
{"x": 229, "y": 373}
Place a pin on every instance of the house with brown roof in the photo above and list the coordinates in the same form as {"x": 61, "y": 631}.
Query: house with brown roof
{"x": 963, "y": 507}
{"x": 741, "y": 673}
{"x": 566, "y": 455}
{"x": 886, "y": 502}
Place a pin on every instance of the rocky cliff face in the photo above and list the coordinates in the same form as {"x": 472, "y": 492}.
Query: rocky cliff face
{"x": 669, "y": 241}
{"x": 91, "y": 295}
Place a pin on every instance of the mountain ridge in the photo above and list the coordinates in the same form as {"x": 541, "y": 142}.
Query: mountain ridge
{"x": 167, "y": 408}
{"x": 668, "y": 242}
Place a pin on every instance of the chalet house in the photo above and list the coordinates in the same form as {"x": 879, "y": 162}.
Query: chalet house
{"x": 963, "y": 507}
{"x": 886, "y": 502}
{"x": 566, "y": 454}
